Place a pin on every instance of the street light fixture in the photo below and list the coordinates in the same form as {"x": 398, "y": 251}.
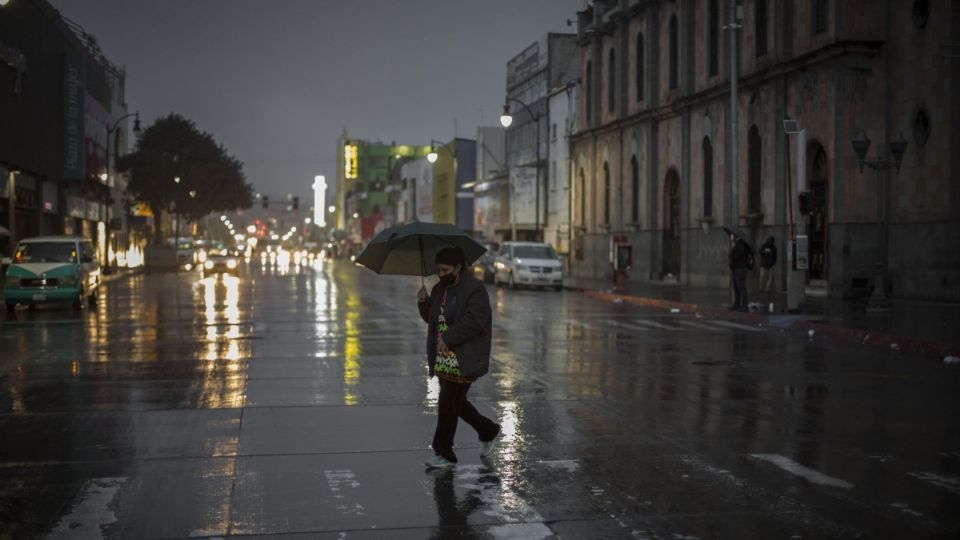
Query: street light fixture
{"x": 433, "y": 155}
{"x": 506, "y": 120}
{"x": 861, "y": 144}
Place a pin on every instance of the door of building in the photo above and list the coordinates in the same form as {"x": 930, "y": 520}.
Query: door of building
{"x": 671, "y": 215}
{"x": 817, "y": 219}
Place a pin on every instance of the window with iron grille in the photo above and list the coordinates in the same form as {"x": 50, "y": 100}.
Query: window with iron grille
{"x": 760, "y": 27}
{"x": 611, "y": 81}
{"x": 819, "y": 15}
{"x": 639, "y": 74}
{"x": 674, "y": 53}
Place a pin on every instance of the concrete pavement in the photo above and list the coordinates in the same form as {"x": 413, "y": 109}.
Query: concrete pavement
{"x": 921, "y": 327}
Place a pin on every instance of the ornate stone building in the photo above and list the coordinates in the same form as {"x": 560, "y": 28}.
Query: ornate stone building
{"x": 652, "y": 156}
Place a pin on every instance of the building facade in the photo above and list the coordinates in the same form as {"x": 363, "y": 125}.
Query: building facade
{"x": 549, "y": 63}
{"x": 61, "y": 100}
{"x": 660, "y": 161}
{"x": 491, "y": 203}
{"x": 562, "y": 108}
{"x": 364, "y": 193}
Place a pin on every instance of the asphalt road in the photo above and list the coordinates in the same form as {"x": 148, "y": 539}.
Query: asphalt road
{"x": 293, "y": 402}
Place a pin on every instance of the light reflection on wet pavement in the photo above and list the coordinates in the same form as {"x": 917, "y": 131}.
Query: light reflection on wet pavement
{"x": 294, "y": 400}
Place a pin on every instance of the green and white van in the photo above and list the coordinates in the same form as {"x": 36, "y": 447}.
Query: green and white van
{"x": 52, "y": 269}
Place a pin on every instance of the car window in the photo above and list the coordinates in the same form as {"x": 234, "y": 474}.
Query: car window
{"x": 46, "y": 252}
{"x": 86, "y": 250}
{"x": 535, "y": 252}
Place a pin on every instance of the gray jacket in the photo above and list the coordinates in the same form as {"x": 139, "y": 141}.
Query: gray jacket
{"x": 469, "y": 334}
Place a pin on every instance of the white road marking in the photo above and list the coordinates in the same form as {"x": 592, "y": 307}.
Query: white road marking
{"x": 737, "y": 326}
{"x": 624, "y": 325}
{"x": 655, "y": 324}
{"x": 568, "y": 465}
{"x": 950, "y": 483}
{"x": 338, "y": 481}
{"x": 809, "y": 474}
{"x": 700, "y": 326}
{"x": 90, "y": 511}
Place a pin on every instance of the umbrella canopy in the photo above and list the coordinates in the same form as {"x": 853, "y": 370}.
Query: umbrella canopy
{"x": 4, "y": 231}
{"x": 410, "y": 249}
{"x": 739, "y": 234}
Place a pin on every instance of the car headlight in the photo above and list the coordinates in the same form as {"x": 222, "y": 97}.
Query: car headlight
{"x": 231, "y": 264}
{"x": 208, "y": 265}
{"x": 69, "y": 281}
{"x": 11, "y": 282}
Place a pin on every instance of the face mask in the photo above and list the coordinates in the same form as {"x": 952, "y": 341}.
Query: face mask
{"x": 448, "y": 279}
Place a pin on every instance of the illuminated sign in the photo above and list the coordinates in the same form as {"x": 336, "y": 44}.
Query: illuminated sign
{"x": 350, "y": 161}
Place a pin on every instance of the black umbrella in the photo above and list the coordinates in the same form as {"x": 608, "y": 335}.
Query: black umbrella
{"x": 410, "y": 249}
{"x": 739, "y": 234}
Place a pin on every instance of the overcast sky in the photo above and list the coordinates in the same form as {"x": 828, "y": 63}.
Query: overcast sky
{"x": 277, "y": 81}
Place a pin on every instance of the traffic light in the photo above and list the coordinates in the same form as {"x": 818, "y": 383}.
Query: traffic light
{"x": 296, "y": 202}
{"x": 265, "y": 202}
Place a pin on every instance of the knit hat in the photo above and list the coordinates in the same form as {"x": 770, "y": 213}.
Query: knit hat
{"x": 451, "y": 256}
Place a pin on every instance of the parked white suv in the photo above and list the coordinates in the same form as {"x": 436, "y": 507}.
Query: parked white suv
{"x": 532, "y": 264}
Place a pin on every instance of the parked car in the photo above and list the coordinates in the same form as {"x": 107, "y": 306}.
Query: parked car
{"x": 483, "y": 268}
{"x": 52, "y": 269}
{"x": 532, "y": 264}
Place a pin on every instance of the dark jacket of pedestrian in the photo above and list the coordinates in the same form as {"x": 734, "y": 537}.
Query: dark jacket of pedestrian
{"x": 768, "y": 253}
{"x": 740, "y": 256}
{"x": 470, "y": 325}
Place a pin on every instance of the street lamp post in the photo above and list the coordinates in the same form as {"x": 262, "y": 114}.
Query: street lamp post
{"x": 506, "y": 119}
{"x": 112, "y": 129}
{"x": 106, "y": 175}
{"x": 882, "y": 164}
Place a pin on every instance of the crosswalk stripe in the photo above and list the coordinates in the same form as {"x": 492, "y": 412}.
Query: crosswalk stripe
{"x": 654, "y": 324}
{"x": 737, "y": 326}
{"x": 693, "y": 324}
{"x": 622, "y": 324}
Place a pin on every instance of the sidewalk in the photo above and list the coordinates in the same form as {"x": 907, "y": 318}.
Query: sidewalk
{"x": 929, "y": 328}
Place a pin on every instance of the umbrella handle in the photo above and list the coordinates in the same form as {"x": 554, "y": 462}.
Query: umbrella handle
{"x": 423, "y": 265}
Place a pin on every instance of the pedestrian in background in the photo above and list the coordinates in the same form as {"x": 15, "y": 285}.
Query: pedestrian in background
{"x": 768, "y": 258}
{"x": 460, "y": 327}
{"x": 740, "y": 260}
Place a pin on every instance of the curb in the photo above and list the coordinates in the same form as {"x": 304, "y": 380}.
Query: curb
{"x": 107, "y": 278}
{"x": 843, "y": 333}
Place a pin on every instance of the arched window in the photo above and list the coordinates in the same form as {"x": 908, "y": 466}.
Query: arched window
{"x": 707, "y": 177}
{"x": 674, "y": 53}
{"x": 760, "y": 27}
{"x": 589, "y": 93}
{"x": 754, "y": 182}
{"x": 640, "y": 74}
{"x": 606, "y": 193}
{"x": 713, "y": 38}
{"x": 635, "y": 183}
{"x": 611, "y": 81}
{"x": 819, "y": 14}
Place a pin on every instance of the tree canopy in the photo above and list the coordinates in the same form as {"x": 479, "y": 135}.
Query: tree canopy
{"x": 211, "y": 180}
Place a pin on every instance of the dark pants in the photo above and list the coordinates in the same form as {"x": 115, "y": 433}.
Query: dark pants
{"x": 451, "y": 406}
{"x": 740, "y": 287}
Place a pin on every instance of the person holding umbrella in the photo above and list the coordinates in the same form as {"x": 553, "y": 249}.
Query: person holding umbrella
{"x": 740, "y": 260}
{"x": 460, "y": 323}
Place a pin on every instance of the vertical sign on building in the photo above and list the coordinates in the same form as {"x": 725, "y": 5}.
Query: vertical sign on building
{"x": 73, "y": 128}
{"x": 350, "y": 152}
{"x": 320, "y": 200}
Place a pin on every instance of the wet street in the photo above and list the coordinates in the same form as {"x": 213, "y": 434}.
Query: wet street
{"x": 293, "y": 402}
